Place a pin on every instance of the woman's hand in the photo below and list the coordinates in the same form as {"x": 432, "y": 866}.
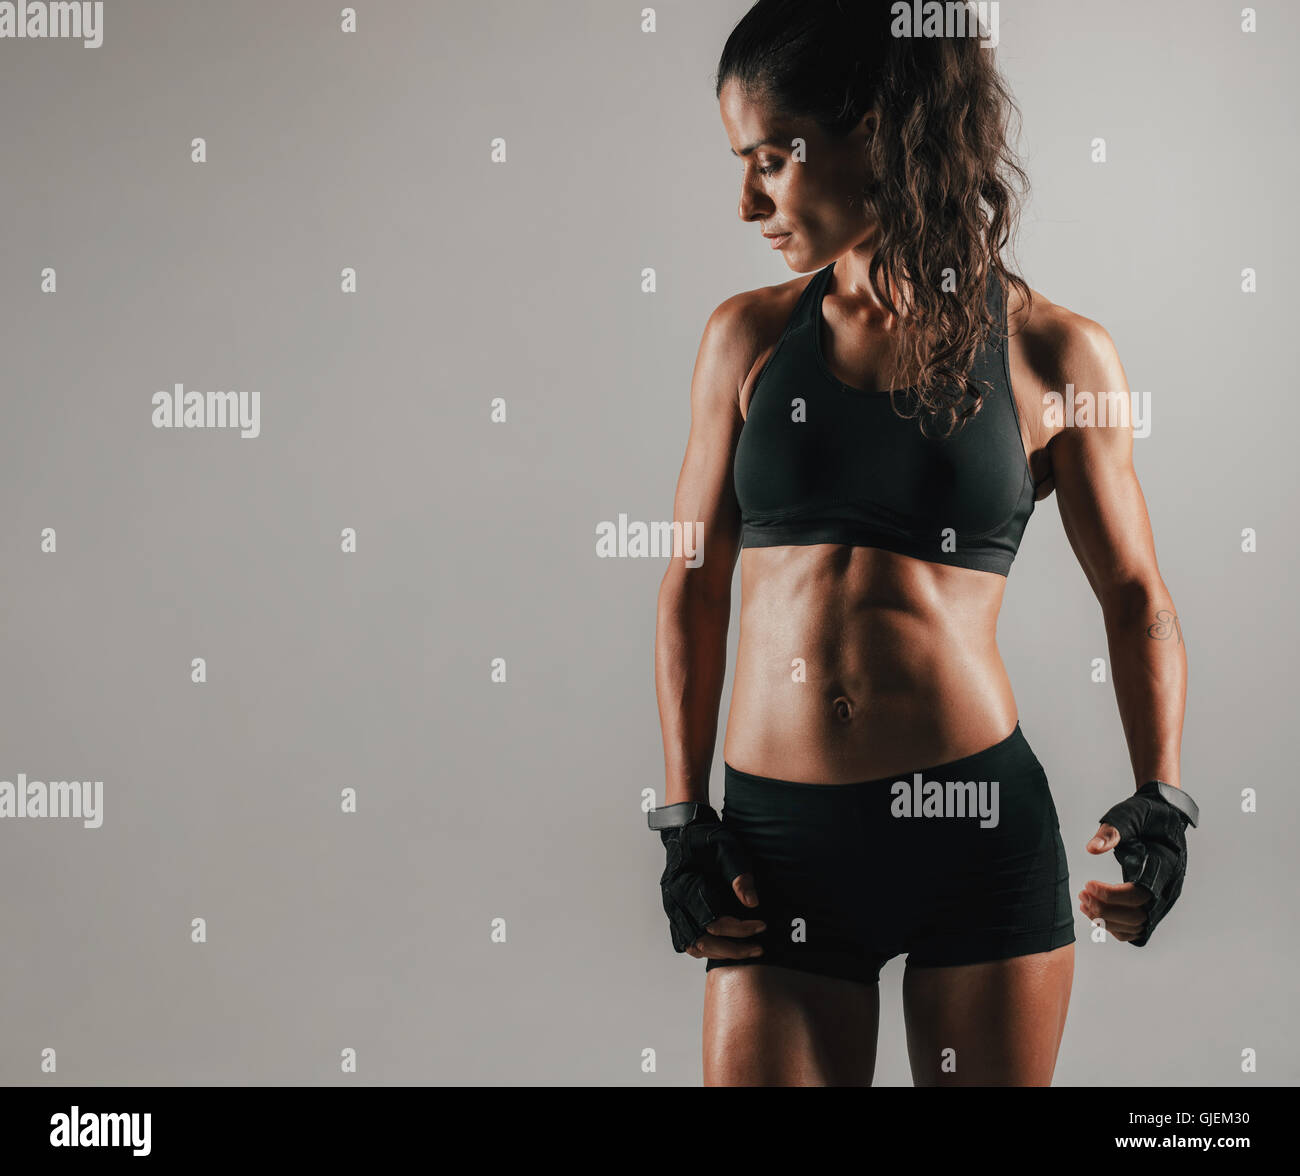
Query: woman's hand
{"x": 1121, "y": 907}
{"x": 720, "y": 942}
{"x": 1147, "y": 831}
{"x": 707, "y": 872}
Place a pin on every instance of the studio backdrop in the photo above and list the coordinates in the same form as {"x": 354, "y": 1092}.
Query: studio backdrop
{"x": 336, "y": 341}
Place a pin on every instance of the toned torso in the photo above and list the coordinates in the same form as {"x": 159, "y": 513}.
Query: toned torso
{"x": 855, "y": 663}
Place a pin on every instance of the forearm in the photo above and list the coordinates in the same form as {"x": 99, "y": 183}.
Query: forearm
{"x": 1149, "y": 665}
{"x": 690, "y": 666}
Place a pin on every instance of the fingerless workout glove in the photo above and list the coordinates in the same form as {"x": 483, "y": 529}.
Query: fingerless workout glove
{"x": 703, "y": 858}
{"x": 1152, "y": 849}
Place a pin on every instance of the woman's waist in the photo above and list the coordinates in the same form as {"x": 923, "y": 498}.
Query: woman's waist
{"x": 846, "y": 730}
{"x": 993, "y": 807}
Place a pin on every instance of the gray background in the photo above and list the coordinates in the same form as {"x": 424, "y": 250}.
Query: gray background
{"x": 476, "y": 280}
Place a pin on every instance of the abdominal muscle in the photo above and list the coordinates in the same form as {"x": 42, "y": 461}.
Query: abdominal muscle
{"x": 855, "y": 664}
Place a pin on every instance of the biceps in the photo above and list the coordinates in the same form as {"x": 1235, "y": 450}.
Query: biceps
{"x": 1103, "y": 510}
{"x": 706, "y": 503}
{"x": 706, "y": 497}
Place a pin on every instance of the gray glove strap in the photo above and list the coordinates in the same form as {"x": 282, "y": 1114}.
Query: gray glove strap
{"x": 674, "y": 816}
{"x": 1178, "y": 798}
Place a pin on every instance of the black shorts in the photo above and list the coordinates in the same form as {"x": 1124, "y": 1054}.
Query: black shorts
{"x": 968, "y": 869}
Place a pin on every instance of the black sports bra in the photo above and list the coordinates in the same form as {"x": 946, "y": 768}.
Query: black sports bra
{"x": 821, "y": 462}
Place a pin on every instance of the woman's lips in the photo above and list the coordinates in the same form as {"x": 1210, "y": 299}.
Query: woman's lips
{"x": 780, "y": 240}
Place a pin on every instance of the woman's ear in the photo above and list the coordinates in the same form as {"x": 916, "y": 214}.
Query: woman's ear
{"x": 867, "y": 126}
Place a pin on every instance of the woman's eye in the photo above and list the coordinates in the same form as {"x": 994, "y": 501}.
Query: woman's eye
{"x": 767, "y": 171}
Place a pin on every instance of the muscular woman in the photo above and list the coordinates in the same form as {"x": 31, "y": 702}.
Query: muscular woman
{"x": 869, "y": 439}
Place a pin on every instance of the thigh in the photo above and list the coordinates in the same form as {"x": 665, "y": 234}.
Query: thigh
{"x": 989, "y": 1024}
{"x": 766, "y": 1025}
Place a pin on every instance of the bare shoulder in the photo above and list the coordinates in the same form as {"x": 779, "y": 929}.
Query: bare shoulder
{"x": 1057, "y": 344}
{"x": 1052, "y": 348}
{"x": 747, "y": 326}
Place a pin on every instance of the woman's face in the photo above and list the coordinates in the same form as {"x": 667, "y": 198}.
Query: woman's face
{"x": 816, "y": 201}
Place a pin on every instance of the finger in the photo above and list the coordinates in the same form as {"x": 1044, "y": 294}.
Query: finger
{"x": 730, "y": 925}
{"x": 743, "y": 885}
{"x": 1120, "y": 933}
{"x": 733, "y": 859}
{"x": 1116, "y": 918}
{"x": 1117, "y": 921}
{"x": 1125, "y": 918}
{"x": 1128, "y": 894}
{"x": 1104, "y": 840}
{"x": 1114, "y": 928}
{"x": 726, "y": 949}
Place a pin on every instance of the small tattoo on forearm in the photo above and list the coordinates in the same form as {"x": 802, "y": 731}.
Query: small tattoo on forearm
{"x": 1166, "y": 626}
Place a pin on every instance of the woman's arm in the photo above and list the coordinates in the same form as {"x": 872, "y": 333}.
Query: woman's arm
{"x": 695, "y": 602}
{"x": 1106, "y": 522}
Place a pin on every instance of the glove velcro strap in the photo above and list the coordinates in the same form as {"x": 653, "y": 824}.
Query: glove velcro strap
{"x": 674, "y": 816}
{"x": 1174, "y": 796}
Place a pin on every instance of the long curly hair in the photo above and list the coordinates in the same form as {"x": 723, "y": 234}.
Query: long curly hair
{"x": 945, "y": 186}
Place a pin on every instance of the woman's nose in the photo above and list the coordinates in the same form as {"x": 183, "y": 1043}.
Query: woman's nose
{"x": 753, "y": 204}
